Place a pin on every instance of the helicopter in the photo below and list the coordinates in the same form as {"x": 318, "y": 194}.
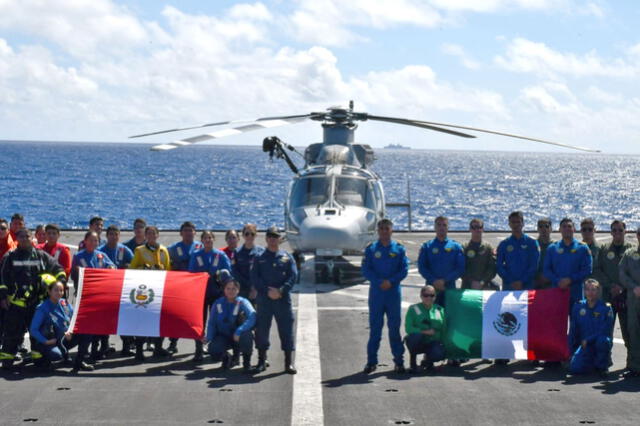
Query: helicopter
{"x": 335, "y": 200}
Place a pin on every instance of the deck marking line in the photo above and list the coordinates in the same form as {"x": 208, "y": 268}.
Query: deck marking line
{"x": 306, "y": 407}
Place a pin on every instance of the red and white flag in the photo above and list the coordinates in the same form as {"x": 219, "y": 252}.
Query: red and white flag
{"x": 134, "y": 302}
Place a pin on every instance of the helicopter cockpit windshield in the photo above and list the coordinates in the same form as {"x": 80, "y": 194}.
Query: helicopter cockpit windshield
{"x": 347, "y": 191}
{"x": 311, "y": 191}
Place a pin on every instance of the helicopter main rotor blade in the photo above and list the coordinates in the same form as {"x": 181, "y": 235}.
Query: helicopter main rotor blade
{"x": 510, "y": 135}
{"x": 221, "y": 123}
{"x": 263, "y": 123}
{"x": 416, "y": 123}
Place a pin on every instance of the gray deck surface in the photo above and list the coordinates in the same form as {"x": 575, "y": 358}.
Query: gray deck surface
{"x": 175, "y": 391}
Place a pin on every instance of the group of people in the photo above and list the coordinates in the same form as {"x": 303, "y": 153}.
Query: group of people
{"x": 603, "y": 282}
{"x": 248, "y": 286}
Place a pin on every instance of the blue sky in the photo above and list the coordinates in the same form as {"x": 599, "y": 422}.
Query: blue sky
{"x": 101, "y": 70}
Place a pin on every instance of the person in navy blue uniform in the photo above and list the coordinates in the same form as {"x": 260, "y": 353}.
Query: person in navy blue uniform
{"x": 91, "y": 257}
{"x": 180, "y": 254}
{"x": 210, "y": 260}
{"x": 121, "y": 256}
{"x": 230, "y": 326}
{"x": 385, "y": 265}
{"x": 244, "y": 257}
{"x": 517, "y": 257}
{"x": 273, "y": 275}
{"x": 590, "y": 332}
{"x": 441, "y": 260}
{"x": 568, "y": 262}
{"x": 50, "y": 329}
{"x": 139, "y": 225}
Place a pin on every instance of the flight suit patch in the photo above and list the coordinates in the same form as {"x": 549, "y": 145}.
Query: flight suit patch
{"x": 509, "y": 248}
{"x": 635, "y": 256}
{"x": 560, "y": 250}
{"x": 435, "y": 250}
{"x": 583, "y": 312}
{"x": 611, "y": 255}
{"x": 377, "y": 255}
{"x": 392, "y": 255}
{"x": 447, "y": 249}
{"x": 471, "y": 254}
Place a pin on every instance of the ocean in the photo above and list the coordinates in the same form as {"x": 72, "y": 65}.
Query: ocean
{"x": 222, "y": 187}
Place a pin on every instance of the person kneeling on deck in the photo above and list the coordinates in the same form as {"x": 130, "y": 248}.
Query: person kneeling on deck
{"x": 273, "y": 275}
{"x": 385, "y": 265}
{"x": 425, "y": 325}
{"x": 50, "y": 329}
{"x": 590, "y": 332}
{"x": 230, "y": 326}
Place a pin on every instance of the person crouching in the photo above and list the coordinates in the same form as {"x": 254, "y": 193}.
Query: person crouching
{"x": 590, "y": 332}
{"x": 425, "y": 325}
{"x": 230, "y": 325}
{"x": 50, "y": 329}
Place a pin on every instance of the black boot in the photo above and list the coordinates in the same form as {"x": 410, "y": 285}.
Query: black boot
{"x": 246, "y": 363}
{"x": 289, "y": 368}
{"x": 235, "y": 358}
{"x": 199, "y": 355}
{"x": 262, "y": 361}
{"x": 413, "y": 364}
{"x": 173, "y": 346}
{"x": 139, "y": 352}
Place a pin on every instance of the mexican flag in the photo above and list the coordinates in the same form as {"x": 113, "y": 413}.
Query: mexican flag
{"x": 507, "y": 324}
{"x": 132, "y": 302}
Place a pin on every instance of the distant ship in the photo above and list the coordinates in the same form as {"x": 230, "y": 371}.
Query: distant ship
{"x": 396, "y": 146}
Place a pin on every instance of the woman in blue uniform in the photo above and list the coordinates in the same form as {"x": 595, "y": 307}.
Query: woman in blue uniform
{"x": 244, "y": 259}
{"x": 50, "y": 329}
{"x": 590, "y": 337}
{"x": 230, "y": 326}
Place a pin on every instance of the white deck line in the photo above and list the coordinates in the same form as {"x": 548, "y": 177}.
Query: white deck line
{"x": 306, "y": 407}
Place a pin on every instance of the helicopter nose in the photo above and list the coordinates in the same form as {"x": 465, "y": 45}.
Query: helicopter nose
{"x": 322, "y": 233}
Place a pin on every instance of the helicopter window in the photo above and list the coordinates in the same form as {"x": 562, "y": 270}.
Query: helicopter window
{"x": 354, "y": 192}
{"x": 310, "y": 192}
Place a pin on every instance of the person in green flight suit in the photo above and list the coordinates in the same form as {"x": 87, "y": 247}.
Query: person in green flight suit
{"x": 480, "y": 260}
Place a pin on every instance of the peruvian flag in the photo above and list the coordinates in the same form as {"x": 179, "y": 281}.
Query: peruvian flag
{"x": 134, "y": 302}
{"x": 530, "y": 324}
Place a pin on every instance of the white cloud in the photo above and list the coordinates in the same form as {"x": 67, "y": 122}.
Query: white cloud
{"x": 458, "y": 51}
{"x": 533, "y": 57}
{"x": 332, "y": 22}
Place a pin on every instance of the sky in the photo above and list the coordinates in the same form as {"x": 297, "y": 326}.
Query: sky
{"x": 102, "y": 70}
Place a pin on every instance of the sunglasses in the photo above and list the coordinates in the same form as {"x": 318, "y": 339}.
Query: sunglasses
{"x": 586, "y": 230}
{"x": 3, "y": 228}
{"x": 428, "y": 295}
{"x": 544, "y": 225}
{"x": 248, "y": 234}
{"x": 476, "y": 227}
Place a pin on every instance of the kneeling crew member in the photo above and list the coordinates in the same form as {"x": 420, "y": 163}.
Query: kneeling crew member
{"x": 231, "y": 322}
{"x": 273, "y": 275}
{"x": 50, "y": 328}
{"x": 425, "y": 326}
{"x": 590, "y": 332}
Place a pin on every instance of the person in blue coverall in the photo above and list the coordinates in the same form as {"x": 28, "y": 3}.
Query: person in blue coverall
{"x": 91, "y": 257}
{"x": 180, "y": 254}
{"x": 590, "y": 332}
{"x": 211, "y": 260}
{"x": 518, "y": 256}
{"x": 118, "y": 253}
{"x": 121, "y": 256}
{"x": 568, "y": 262}
{"x": 245, "y": 255}
{"x": 273, "y": 275}
{"x": 230, "y": 326}
{"x": 50, "y": 329}
{"x": 441, "y": 260}
{"x": 385, "y": 265}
